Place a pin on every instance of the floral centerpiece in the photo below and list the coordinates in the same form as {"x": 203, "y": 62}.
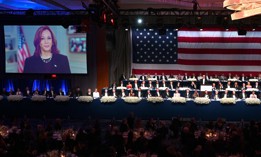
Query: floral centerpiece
{"x": 1, "y": 97}
{"x": 202, "y": 100}
{"x": 38, "y": 98}
{"x": 155, "y": 99}
{"x": 132, "y": 100}
{"x": 61, "y": 98}
{"x": 4, "y": 131}
{"x": 228, "y": 101}
{"x": 252, "y": 101}
{"x": 85, "y": 99}
{"x": 15, "y": 98}
{"x": 178, "y": 100}
{"x": 107, "y": 99}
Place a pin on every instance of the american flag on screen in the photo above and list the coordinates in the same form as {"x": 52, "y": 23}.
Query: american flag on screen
{"x": 212, "y": 51}
{"x": 23, "y": 51}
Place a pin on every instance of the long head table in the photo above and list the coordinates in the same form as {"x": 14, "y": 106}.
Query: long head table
{"x": 119, "y": 109}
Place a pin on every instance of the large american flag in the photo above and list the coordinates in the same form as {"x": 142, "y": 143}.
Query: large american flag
{"x": 212, "y": 51}
{"x": 23, "y": 51}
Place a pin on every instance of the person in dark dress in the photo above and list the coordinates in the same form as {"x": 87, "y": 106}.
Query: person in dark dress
{"x": 46, "y": 58}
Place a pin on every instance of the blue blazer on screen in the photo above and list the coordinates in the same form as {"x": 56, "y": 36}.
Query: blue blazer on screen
{"x": 58, "y": 64}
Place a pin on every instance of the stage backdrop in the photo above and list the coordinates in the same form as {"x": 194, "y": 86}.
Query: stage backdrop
{"x": 212, "y": 51}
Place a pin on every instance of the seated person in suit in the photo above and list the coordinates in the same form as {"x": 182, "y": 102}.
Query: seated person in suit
{"x": 163, "y": 77}
{"x": 253, "y": 95}
{"x": 136, "y": 85}
{"x": 4, "y": 92}
{"x": 176, "y": 94}
{"x": 206, "y": 95}
{"x": 156, "y": 76}
{"x": 78, "y": 92}
{"x": 187, "y": 94}
{"x": 236, "y": 86}
{"x": 45, "y": 92}
{"x": 11, "y": 92}
{"x": 18, "y": 92}
{"x": 113, "y": 86}
{"x": 36, "y": 92}
{"x": 143, "y": 84}
{"x": 114, "y": 93}
{"x": 243, "y": 94}
{"x": 257, "y": 86}
{"x": 60, "y": 92}
{"x": 121, "y": 84}
{"x": 243, "y": 86}
{"x": 96, "y": 94}
{"x": 122, "y": 77}
{"x": 220, "y": 86}
{"x": 89, "y": 92}
{"x": 142, "y": 77}
{"x": 157, "y": 84}
{"x": 234, "y": 95}
{"x": 171, "y": 87}
{"x": 171, "y": 76}
{"x": 243, "y": 78}
{"x": 132, "y": 76}
{"x": 195, "y": 94}
{"x": 214, "y": 86}
{"x": 185, "y": 77}
{"x": 148, "y": 76}
{"x": 139, "y": 93}
{"x": 106, "y": 93}
{"x": 178, "y": 85}
{"x": 226, "y": 95}
{"x": 27, "y": 92}
{"x": 70, "y": 93}
{"x": 229, "y": 84}
{"x": 193, "y": 85}
{"x": 216, "y": 95}
{"x": 203, "y": 81}
{"x": 148, "y": 94}
{"x": 166, "y": 94}
{"x": 158, "y": 92}
{"x": 150, "y": 85}
{"x": 122, "y": 94}
{"x": 52, "y": 93}
{"x": 164, "y": 84}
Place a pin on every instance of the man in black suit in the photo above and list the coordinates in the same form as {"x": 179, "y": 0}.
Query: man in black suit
{"x": 187, "y": 94}
{"x": 243, "y": 94}
{"x": 143, "y": 77}
{"x": 60, "y": 92}
{"x": 156, "y": 76}
{"x": 78, "y": 92}
{"x": 27, "y": 92}
{"x": 166, "y": 94}
{"x": 89, "y": 92}
{"x": 203, "y": 81}
{"x": 163, "y": 77}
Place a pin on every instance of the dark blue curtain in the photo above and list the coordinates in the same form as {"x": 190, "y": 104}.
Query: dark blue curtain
{"x": 33, "y": 84}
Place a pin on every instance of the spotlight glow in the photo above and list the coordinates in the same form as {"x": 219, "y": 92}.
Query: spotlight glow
{"x": 139, "y": 21}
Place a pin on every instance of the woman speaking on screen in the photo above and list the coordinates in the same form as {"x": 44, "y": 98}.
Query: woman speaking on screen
{"x": 46, "y": 58}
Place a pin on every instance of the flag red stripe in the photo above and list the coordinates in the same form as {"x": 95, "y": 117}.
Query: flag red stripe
{"x": 219, "y": 62}
{"x": 176, "y": 72}
{"x": 219, "y": 51}
{"x": 218, "y": 40}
